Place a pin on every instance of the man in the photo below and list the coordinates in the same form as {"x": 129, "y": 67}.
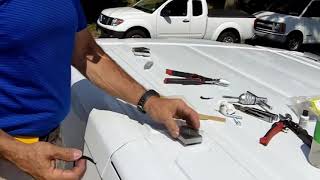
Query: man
{"x": 38, "y": 39}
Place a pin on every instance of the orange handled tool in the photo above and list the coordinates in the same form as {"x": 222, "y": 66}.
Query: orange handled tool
{"x": 286, "y": 123}
{"x": 275, "y": 129}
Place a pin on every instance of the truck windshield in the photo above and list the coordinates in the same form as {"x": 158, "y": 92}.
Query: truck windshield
{"x": 149, "y": 6}
{"x": 290, "y": 7}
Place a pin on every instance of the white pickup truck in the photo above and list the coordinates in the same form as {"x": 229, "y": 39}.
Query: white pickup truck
{"x": 127, "y": 145}
{"x": 214, "y": 20}
{"x": 290, "y": 22}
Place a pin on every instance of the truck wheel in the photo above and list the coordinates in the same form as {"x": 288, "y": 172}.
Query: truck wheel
{"x": 228, "y": 37}
{"x": 136, "y": 33}
{"x": 293, "y": 42}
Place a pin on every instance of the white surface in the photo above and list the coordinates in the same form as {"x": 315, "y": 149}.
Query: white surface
{"x": 140, "y": 149}
{"x": 173, "y": 26}
{"x": 91, "y": 172}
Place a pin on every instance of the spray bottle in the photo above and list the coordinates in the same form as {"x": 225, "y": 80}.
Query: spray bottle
{"x": 314, "y": 155}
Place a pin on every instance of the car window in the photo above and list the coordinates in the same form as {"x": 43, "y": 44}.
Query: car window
{"x": 149, "y": 6}
{"x": 313, "y": 10}
{"x": 196, "y": 8}
{"x": 290, "y": 7}
{"x": 177, "y": 8}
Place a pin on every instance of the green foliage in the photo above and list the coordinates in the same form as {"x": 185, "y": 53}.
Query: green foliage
{"x": 93, "y": 8}
{"x": 92, "y": 29}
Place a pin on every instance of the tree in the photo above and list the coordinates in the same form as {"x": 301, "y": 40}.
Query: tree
{"x": 231, "y": 4}
{"x": 93, "y": 8}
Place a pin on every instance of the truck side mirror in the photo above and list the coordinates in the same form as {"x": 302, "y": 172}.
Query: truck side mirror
{"x": 165, "y": 12}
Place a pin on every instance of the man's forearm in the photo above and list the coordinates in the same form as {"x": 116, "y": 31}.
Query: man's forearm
{"x": 100, "y": 69}
{"x": 8, "y": 146}
{"x": 107, "y": 75}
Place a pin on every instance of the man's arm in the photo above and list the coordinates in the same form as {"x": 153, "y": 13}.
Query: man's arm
{"x": 99, "y": 68}
{"x": 8, "y": 145}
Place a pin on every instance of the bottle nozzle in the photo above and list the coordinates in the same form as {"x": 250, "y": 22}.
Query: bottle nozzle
{"x": 305, "y": 113}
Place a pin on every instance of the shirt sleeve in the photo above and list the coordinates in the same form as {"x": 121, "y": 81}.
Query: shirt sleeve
{"x": 82, "y": 22}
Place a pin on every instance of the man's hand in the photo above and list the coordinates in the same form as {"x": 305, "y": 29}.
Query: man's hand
{"x": 38, "y": 160}
{"x": 165, "y": 111}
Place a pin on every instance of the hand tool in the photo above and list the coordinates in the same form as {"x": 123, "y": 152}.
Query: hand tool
{"x": 206, "y": 98}
{"x": 260, "y": 114}
{"x": 148, "y": 65}
{"x": 141, "y": 51}
{"x": 189, "y": 136}
{"x": 228, "y": 110}
{"x": 192, "y": 79}
{"x": 205, "y": 117}
{"x": 249, "y": 98}
{"x": 144, "y": 52}
{"x": 236, "y": 120}
{"x": 212, "y": 118}
{"x": 86, "y": 158}
{"x": 286, "y": 123}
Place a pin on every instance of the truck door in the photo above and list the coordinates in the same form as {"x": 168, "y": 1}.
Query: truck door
{"x": 173, "y": 20}
{"x": 198, "y": 18}
{"x": 312, "y": 23}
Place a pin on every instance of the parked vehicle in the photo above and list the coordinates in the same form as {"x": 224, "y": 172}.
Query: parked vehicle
{"x": 290, "y": 22}
{"x": 126, "y": 144}
{"x": 215, "y": 20}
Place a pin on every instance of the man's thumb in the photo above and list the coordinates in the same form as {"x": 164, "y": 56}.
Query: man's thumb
{"x": 66, "y": 154}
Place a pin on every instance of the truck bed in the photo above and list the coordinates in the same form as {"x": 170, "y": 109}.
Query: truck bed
{"x": 229, "y": 14}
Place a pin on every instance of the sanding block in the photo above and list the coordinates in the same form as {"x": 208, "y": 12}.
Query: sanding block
{"x": 189, "y": 136}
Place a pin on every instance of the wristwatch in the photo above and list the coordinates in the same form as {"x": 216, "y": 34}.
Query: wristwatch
{"x": 144, "y": 98}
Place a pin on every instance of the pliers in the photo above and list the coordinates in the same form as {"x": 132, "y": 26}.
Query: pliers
{"x": 192, "y": 79}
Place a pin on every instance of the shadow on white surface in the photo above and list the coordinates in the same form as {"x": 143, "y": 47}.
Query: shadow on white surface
{"x": 85, "y": 97}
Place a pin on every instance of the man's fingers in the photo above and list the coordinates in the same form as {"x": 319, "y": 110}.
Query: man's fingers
{"x": 193, "y": 119}
{"x": 188, "y": 114}
{"x": 53, "y": 163}
{"x": 66, "y": 154}
{"x": 74, "y": 174}
{"x": 172, "y": 126}
{"x": 80, "y": 167}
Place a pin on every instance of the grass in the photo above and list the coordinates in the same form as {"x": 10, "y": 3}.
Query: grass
{"x": 93, "y": 30}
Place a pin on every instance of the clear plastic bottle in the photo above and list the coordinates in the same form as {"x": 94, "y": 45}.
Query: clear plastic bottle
{"x": 314, "y": 155}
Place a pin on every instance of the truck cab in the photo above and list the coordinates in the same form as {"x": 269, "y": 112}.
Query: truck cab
{"x": 162, "y": 19}
{"x": 292, "y": 23}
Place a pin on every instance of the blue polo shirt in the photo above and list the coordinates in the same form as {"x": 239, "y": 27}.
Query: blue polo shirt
{"x": 36, "y": 45}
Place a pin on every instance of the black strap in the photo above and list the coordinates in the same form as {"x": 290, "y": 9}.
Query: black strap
{"x": 144, "y": 99}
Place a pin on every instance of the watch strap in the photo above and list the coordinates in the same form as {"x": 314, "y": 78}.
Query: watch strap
{"x": 144, "y": 98}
